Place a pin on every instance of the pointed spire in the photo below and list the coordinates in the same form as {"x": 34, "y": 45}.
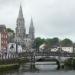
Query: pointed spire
{"x": 31, "y": 24}
{"x": 20, "y": 12}
{"x": 31, "y": 28}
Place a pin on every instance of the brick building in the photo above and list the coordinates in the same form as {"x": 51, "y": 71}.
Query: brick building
{"x": 2, "y": 28}
{"x": 4, "y": 40}
{"x": 3, "y": 37}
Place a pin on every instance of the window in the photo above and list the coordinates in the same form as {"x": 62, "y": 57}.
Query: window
{"x": 6, "y": 42}
{"x": 2, "y": 47}
{"x": 2, "y": 35}
{"x": 2, "y": 42}
{"x": 6, "y": 36}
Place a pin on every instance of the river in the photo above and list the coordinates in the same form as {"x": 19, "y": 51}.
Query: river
{"x": 43, "y": 70}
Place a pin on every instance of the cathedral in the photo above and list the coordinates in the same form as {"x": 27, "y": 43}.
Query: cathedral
{"x": 21, "y": 38}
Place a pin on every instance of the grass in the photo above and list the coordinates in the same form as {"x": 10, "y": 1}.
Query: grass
{"x": 7, "y": 67}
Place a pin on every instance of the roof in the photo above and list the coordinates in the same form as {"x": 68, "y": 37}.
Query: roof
{"x": 3, "y": 26}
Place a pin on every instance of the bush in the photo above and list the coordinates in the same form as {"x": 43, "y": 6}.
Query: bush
{"x": 70, "y": 63}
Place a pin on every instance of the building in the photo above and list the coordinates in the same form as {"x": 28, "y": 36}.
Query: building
{"x": 0, "y": 41}
{"x": 68, "y": 49}
{"x": 12, "y": 48}
{"x": 25, "y": 40}
{"x": 11, "y": 37}
{"x": 2, "y": 28}
{"x": 3, "y": 37}
{"x": 3, "y": 40}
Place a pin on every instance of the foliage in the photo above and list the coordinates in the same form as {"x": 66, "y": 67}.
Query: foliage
{"x": 11, "y": 34}
{"x": 66, "y": 42}
{"x": 70, "y": 63}
{"x": 9, "y": 30}
{"x": 54, "y": 42}
{"x": 7, "y": 67}
{"x": 38, "y": 41}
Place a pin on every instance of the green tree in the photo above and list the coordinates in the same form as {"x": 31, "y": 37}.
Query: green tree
{"x": 11, "y": 34}
{"x": 48, "y": 42}
{"x": 10, "y": 30}
{"x": 38, "y": 41}
{"x": 66, "y": 42}
{"x": 54, "y": 42}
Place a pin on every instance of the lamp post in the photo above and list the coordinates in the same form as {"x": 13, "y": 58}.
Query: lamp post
{"x": 73, "y": 49}
{"x": 60, "y": 51}
{"x": 16, "y": 48}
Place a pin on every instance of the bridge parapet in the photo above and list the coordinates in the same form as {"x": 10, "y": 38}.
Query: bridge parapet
{"x": 25, "y": 54}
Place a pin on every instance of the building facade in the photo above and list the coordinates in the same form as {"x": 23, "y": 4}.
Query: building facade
{"x": 3, "y": 37}
{"x": 25, "y": 40}
{"x": 0, "y": 41}
{"x": 4, "y": 40}
{"x": 2, "y": 28}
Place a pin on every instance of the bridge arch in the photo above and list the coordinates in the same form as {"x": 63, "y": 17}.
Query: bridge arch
{"x": 50, "y": 60}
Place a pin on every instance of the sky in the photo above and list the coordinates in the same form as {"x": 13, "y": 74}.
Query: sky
{"x": 52, "y": 18}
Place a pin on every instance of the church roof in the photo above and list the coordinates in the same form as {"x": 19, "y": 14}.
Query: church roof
{"x": 31, "y": 28}
{"x": 31, "y": 24}
{"x": 20, "y": 12}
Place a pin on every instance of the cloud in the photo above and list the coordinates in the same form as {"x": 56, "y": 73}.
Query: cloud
{"x": 52, "y": 18}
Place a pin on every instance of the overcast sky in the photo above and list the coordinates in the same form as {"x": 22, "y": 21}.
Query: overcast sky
{"x": 52, "y": 18}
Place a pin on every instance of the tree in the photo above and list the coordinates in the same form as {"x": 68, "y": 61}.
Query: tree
{"x": 54, "y": 42}
{"x": 9, "y": 30}
{"x": 66, "y": 42}
{"x": 38, "y": 41}
{"x": 11, "y": 34}
{"x": 48, "y": 42}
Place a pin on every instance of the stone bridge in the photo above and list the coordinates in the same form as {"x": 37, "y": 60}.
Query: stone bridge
{"x": 61, "y": 54}
{"x": 46, "y": 56}
{"x": 35, "y": 56}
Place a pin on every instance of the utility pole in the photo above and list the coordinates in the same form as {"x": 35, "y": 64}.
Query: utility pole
{"x": 60, "y": 51}
{"x": 16, "y": 49}
{"x": 73, "y": 49}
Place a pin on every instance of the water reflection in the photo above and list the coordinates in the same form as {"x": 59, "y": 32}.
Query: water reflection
{"x": 46, "y": 67}
{"x": 26, "y": 68}
{"x": 43, "y": 70}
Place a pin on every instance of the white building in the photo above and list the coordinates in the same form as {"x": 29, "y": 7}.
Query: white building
{"x": 12, "y": 48}
{"x": 67, "y": 49}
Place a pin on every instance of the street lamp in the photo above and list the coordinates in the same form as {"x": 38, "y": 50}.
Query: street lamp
{"x": 16, "y": 47}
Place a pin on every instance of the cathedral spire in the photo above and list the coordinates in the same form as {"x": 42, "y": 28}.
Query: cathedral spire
{"x": 31, "y": 30}
{"x": 20, "y": 12}
{"x": 31, "y": 24}
{"x": 20, "y": 28}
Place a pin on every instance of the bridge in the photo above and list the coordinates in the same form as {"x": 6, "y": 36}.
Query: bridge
{"x": 35, "y": 56}
{"x": 61, "y": 54}
{"x": 45, "y": 56}
{"x": 38, "y": 55}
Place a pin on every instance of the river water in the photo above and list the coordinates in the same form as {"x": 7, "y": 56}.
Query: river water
{"x": 43, "y": 70}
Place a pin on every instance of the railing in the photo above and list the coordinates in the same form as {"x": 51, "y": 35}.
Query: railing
{"x": 8, "y": 56}
{"x": 31, "y": 54}
{"x": 65, "y": 54}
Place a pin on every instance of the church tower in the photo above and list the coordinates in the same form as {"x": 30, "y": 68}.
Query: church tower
{"x": 20, "y": 27}
{"x": 31, "y": 30}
